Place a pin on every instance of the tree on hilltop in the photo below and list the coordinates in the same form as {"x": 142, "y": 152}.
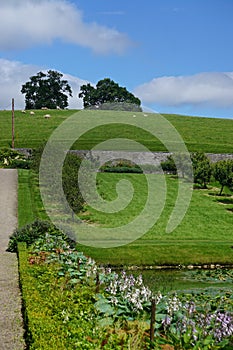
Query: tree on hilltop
{"x": 109, "y": 95}
{"x": 46, "y": 90}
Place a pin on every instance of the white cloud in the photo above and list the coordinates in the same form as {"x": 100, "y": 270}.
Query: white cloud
{"x": 204, "y": 89}
{"x": 26, "y": 23}
{"x": 14, "y": 74}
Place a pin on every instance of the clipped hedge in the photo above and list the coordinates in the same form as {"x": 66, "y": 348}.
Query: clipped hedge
{"x": 55, "y": 317}
{"x": 121, "y": 169}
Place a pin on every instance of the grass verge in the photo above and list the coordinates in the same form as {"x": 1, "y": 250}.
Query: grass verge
{"x": 30, "y": 206}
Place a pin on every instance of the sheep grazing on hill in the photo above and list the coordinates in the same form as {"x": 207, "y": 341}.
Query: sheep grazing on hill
{"x": 47, "y": 116}
{"x": 23, "y": 111}
{"x": 32, "y": 113}
{"x": 44, "y": 108}
{"x": 58, "y": 107}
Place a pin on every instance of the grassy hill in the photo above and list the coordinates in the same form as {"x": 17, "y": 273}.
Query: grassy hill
{"x": 210, "y": 135}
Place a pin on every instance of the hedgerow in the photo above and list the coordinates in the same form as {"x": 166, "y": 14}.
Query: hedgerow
{"x": 56, "y": 317}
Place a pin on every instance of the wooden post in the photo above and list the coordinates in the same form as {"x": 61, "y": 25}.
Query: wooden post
{"x": 97, "y": 288}
{"x": 152, "y": 321}
{"x": 13, "y": 124}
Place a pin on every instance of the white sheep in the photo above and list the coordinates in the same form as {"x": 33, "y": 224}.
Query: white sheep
{"x": 23, "y": 111}
{"x": 47, "y": 116}
{"x": 32, "y": 113}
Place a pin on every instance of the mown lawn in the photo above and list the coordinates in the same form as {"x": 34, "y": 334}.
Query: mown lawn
{"x": 210, "y": 135}
{"x": 30, "y": 206}
{"x": 204, "y": 235}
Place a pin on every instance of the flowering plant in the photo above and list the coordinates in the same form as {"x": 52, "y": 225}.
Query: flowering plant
{"x": 181, "y": 320}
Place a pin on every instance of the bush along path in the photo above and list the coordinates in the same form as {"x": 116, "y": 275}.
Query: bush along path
{"x": 11, "y": 325}
{"x": 72, "y": 303}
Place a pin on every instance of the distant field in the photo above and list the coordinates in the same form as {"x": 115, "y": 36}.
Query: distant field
{"x": 200, "y": 134}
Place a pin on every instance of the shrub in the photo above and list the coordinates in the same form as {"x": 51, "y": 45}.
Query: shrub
{"x": 10, "y": 158}
{"x": 20, "y": 164}
{"x": 169, "y": 166}
{"x": 31, "y": 232}
{"x": 121, "y": 166}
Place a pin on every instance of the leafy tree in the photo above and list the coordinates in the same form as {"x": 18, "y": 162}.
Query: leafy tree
{"x": 169, "y": 165}
{"x": 108, "y": 95}
{"x": 223, "y": 173}
{"x": 46, "y": 90}
{"x": 179, "y": 163}
{"x": 201, "y": 168}
{"x": 183, "y": 164}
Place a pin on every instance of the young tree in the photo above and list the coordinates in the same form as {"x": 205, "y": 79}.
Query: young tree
{"x": 46, "y": 90}
{"x": 169, "y": 165}
{"x": 183, "y": 164}
{"x": 201, "y": 168}
{"x": 108, "y": 95}
{"x": 223, "y": 173}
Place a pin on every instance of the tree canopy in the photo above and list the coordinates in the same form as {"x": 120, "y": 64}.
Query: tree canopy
{"x": 46, "y": 90}
{"x": 201, "y": 168}
{"x": 223, "y": 173}
{"x": 108, "y": 95}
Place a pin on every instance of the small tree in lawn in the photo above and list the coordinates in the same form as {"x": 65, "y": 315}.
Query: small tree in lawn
{"x": 223, "y": 173}
{"x": 46, "y": 90}
{"x": 201, "y": 168}
{"x": 183, "y": 164}
{"x": 169, "y": 165}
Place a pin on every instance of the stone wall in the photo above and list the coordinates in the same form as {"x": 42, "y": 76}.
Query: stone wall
{"x": 152, "y": 158}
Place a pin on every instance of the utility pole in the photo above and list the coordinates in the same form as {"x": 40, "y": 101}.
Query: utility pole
{"x": 13, "y": 123}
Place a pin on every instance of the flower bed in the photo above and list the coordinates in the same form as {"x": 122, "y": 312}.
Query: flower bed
{"x": 71, "y": 303}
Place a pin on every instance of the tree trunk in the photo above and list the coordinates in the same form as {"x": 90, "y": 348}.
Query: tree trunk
{"x": 220, "y": 193}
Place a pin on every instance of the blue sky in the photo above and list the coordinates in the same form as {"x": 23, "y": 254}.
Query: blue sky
{"x": 176, "y": 55}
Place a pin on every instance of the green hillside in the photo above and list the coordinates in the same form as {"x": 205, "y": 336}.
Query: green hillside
{"x": 211, "y": 135}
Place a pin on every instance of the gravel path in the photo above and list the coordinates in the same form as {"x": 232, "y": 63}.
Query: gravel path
{"x": 11, "y": 325}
